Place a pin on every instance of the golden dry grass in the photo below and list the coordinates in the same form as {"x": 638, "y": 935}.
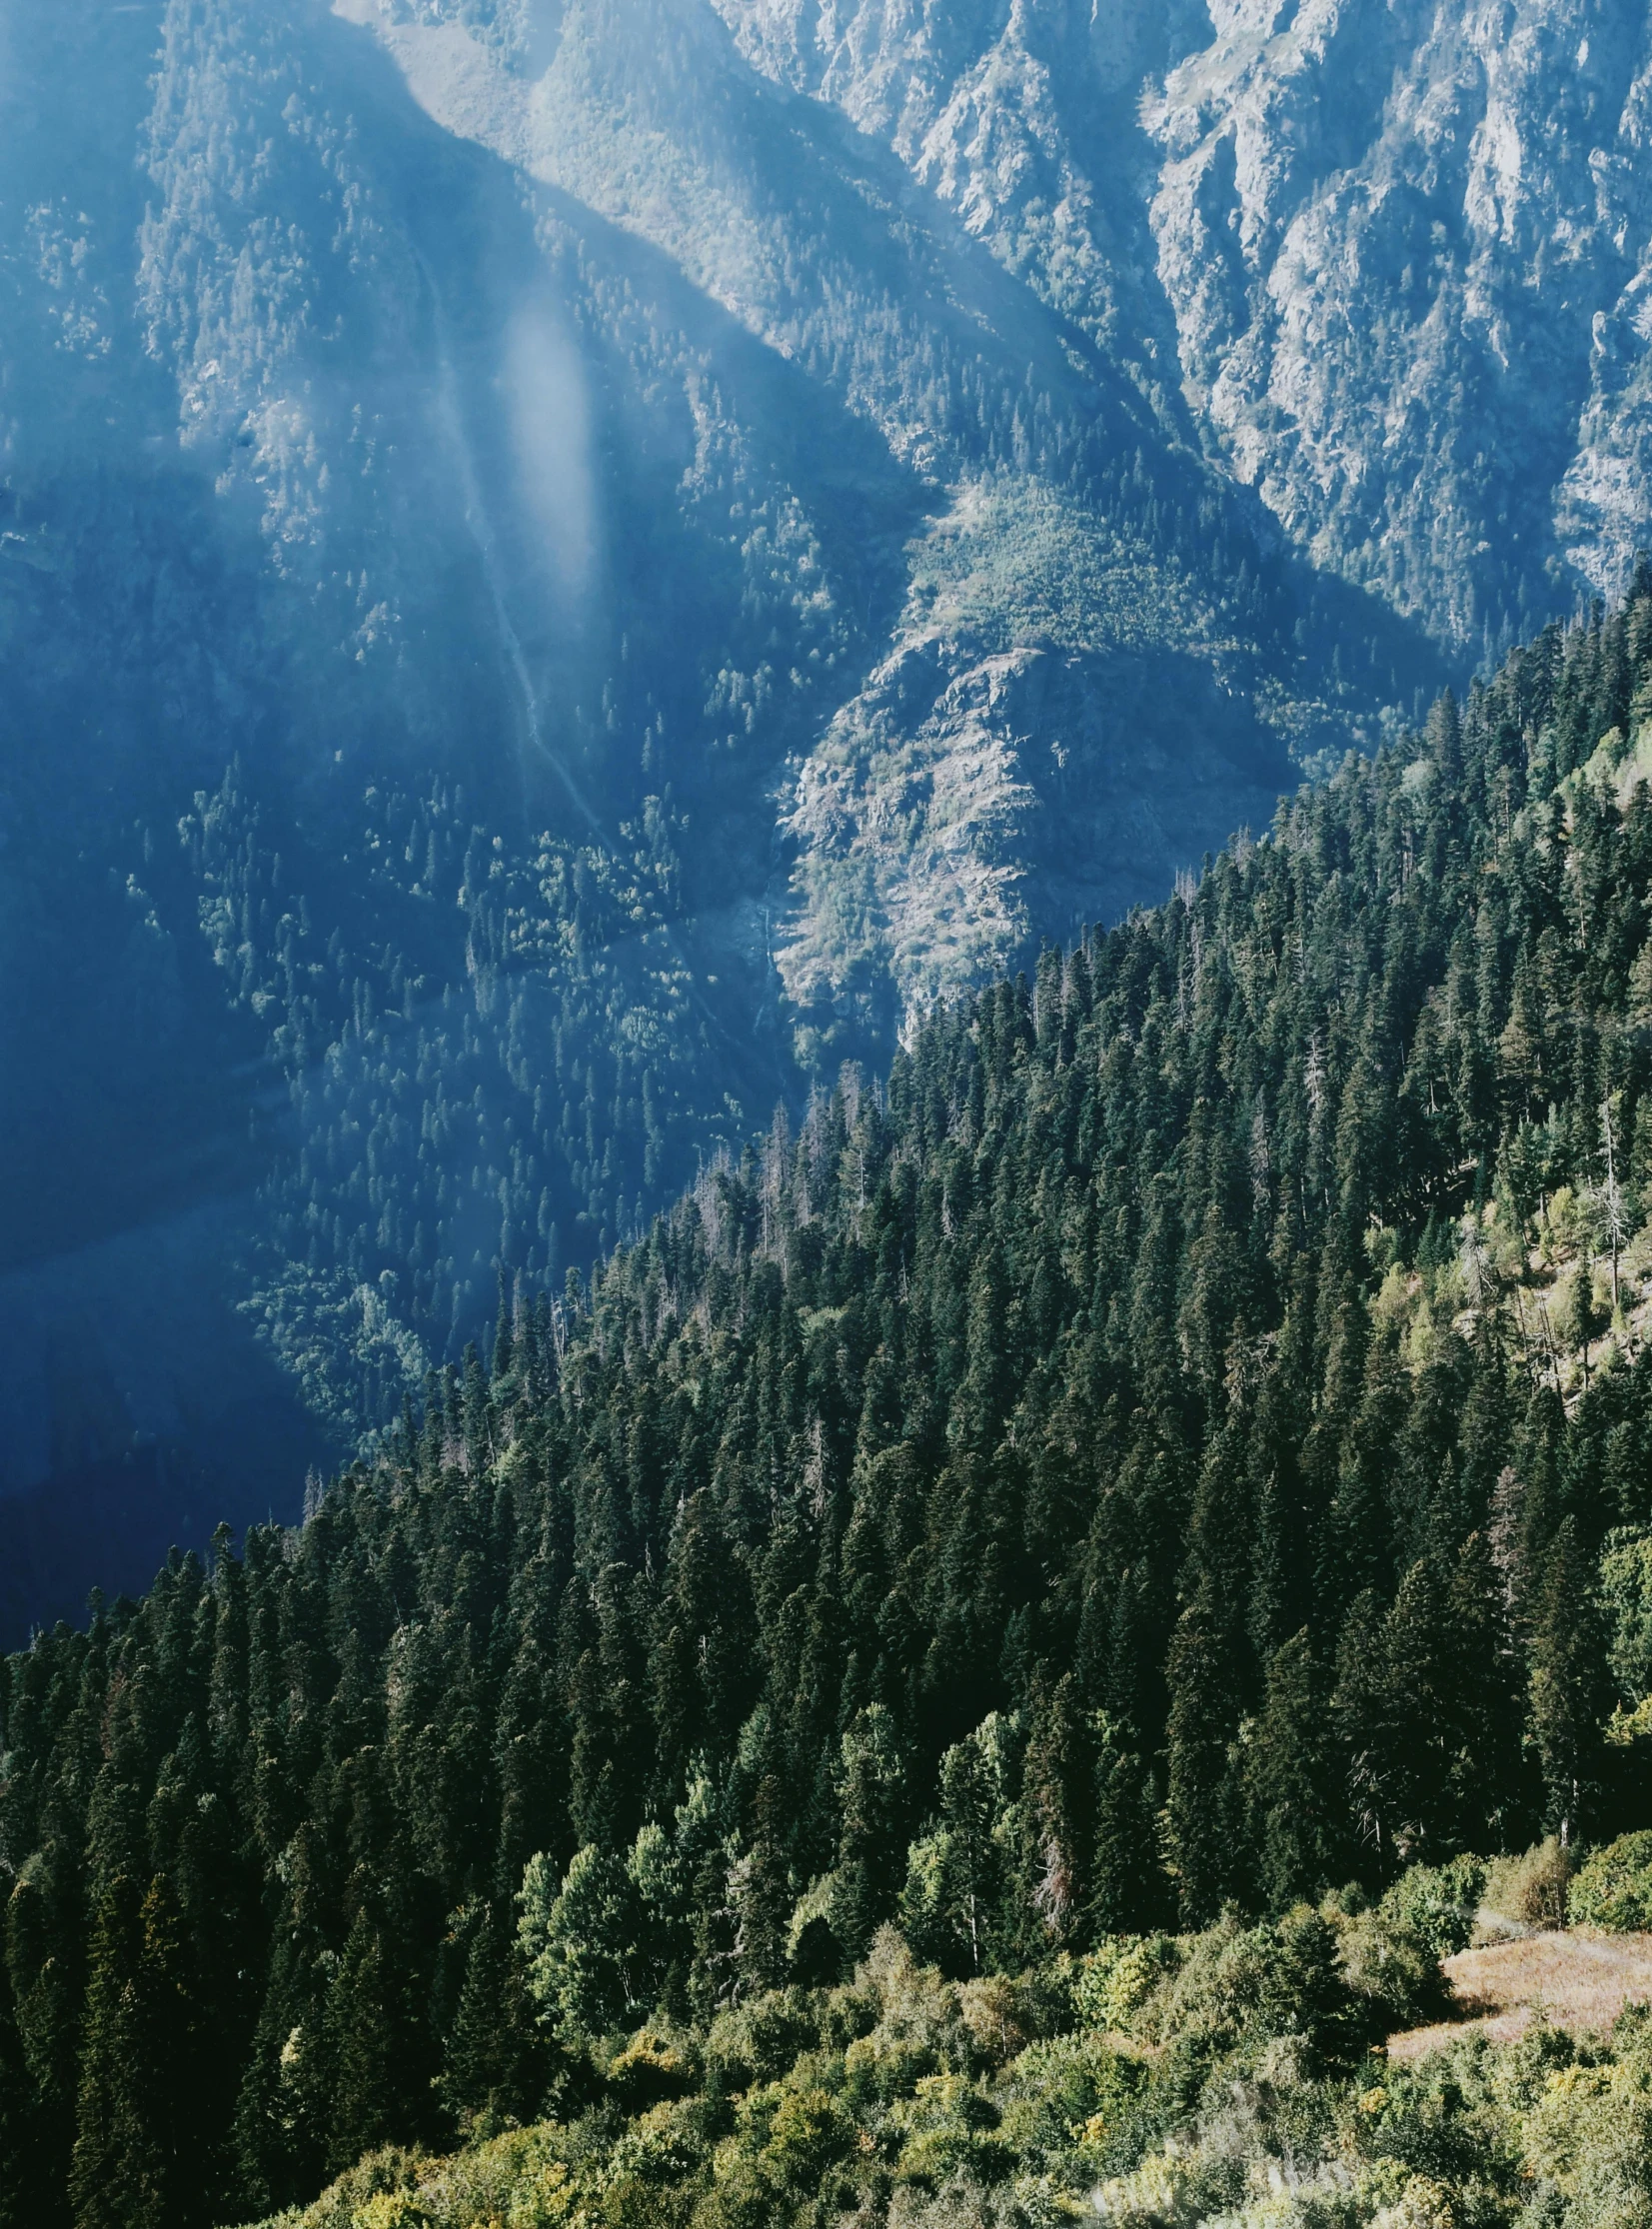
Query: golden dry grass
{"x": 1576, "y": 1980}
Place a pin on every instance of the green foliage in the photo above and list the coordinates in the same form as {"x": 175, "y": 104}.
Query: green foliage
{"x": 1119, "y": 1976}
{"x": 1105, "y": 1474}
{"x": 1290, "y": 1978}
{"x": 1626, "y": 1599}
{"x": 960, "y": 1879}
{"x": 1532, "y": 1886}
{"x": 579, "y": 1942}
{"x": 1438, "y": 1903}
{"x": 1255, "y": 2100}
{"x": 1613, "y": 1887}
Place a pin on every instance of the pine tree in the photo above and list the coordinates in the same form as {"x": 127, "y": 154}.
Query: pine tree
{"x": 371, "y": 2050}
{"x": 1202, "y": 1815}
{"x": 45, "y": 1957}
{"x": 873, "y": 1827}
{"x": 1569, "y": 1693}
{"x": 22, "y": 2182}
{"x": 1291, "y": 1773}
{"x": 1058, "y": 1791}
{"x": 118, "y": 2172}
{"x": 495, "y": 2067}
{"x": 1128, "y": 1892}
{"x": 959, "y": 1880}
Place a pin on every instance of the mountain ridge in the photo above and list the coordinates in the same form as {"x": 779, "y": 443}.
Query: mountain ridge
{"x": 1283, "y": 156}
{"x": 786, "y": 555}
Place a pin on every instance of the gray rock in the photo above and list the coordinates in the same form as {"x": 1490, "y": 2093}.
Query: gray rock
{"x": 1394, "y": 257}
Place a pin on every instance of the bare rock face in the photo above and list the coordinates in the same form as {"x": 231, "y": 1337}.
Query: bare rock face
{"x": 1055, "y": 665}
{"x": 1388, "y": 262}
{"x": 1406, "y": 251}
{"x": 1020, "y": 118}
{"x": 968, "y": 798}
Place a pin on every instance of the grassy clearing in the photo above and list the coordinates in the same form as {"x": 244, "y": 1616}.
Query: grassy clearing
{"x": 1579, "y": 1980}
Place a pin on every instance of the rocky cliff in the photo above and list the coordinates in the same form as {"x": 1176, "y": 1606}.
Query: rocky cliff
{"x": 969, "y": 273}
{"x": 1390, "y": 260}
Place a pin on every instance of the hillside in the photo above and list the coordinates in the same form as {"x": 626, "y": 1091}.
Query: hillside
{"x": 551, "y": 593}
{"x": 1109, "y": 1473}
{"x": 565, "y": 569}
{"x": 1064, "y": 2097}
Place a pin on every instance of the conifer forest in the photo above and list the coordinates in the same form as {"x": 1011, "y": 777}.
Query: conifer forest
{"x": 974, "y": 1673}
{"x": 826, "y": 1114}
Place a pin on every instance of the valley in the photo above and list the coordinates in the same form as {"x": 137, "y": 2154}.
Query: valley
{"x": 435, "y": 442}
{"x": 826, "y": 1077}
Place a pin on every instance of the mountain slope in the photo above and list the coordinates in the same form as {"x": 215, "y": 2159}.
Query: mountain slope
{"x": 552, "y": 593}
{"x": 1182, "y": 1444}
{"x": 1036, "y": 2101}
{"x": 1402, "y": 250}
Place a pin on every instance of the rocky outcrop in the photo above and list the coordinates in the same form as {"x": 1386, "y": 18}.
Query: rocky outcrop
{"x": 968, "y": 799}
{"x": 1393, "y": 258}
{"x": 1020, "y": 117}
{"x": 1013, "y": 386}
{"x": 1406, "y": 248}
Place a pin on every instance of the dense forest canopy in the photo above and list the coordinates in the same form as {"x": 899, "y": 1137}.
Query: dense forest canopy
{"x": 1182, "y": 1442}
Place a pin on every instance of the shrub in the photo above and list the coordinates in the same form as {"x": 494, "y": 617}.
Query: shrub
{"x": 390, "y": 2176}
{"x": 1116, "y": 1981}
{"x": 1438, "y": 1903}
{"x": 1531, "y": 1890}
{"x": 392, "y": 2210}
{"x": 1389, "y": 1965}
{"x": 960, "y": 2203}
{"x": 998, "y": 2018}
{"x": 1076, "y": 2093}
{"x": 1614, "y": 1887}
{"x": 1240, "y": 1987}
{"x": 808, "y": 2134}
{"x": 757, "y": 2042}
{"x": 947, "y": 2127}
{"x": 652, "y": 2067}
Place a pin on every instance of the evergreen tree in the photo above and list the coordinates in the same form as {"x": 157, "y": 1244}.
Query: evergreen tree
{"x": 1202, "y": 1815}
{"x": 1137, "y": 1460}
{"x": 22, "y": 2183}
{"x": 1569, "y": 1697}
{"x": 873, "y": 1827}
{"x": 1128, "y": 1892}
{"x": 579, "y": 1943}
{"x": 1291, "y": 1771}
{"x": 959, "y": 1878}
{"x": 370, "y": 2045}
{"x": 118, "y": 2174}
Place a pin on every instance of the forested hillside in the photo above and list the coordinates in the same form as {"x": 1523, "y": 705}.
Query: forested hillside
{"x": 550, "y": 594}
{"x": 1182, "y": 1441}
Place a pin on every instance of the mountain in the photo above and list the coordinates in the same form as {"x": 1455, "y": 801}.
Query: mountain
{"x": 566, "y": 568}
{"x": 550, "y": 594}
{"x": 1390, "y": 262}
{"x": 1159, "y": 1486}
